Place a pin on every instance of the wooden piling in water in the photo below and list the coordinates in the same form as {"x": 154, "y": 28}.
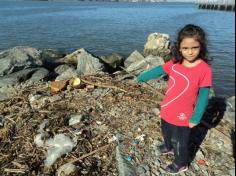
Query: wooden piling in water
{"x": 227, "y": 5}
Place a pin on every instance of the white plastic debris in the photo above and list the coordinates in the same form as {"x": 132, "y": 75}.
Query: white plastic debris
{"x": 43, "y": 125}
{"x": 114, "y": 138}
{"x": 58, "y": 146}
{"x": 99, "y": 122}
{"x": 141, "y": 137}
{"x": 67, "y": 169}
{"x": 39, "y": 138}
{"x": 75, "y": 119}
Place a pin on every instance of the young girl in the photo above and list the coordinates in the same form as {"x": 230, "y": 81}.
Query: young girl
{"x": 186, "y": 98}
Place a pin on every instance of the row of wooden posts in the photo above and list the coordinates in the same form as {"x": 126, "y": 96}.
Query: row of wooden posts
{"x": 227, "y": 5}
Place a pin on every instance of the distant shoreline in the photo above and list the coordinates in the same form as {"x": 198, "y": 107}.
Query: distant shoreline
{"x": 135, "y": 1}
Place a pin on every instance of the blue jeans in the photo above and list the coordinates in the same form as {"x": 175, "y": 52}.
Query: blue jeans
{"x": 177, "y": 138}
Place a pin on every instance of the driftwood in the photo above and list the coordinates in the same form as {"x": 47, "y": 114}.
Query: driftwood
{"x": 227, "y": 139}
{"x": 14, "y": 170}
{"x": 103, "y": 85}
{"x": 91, "y": 153}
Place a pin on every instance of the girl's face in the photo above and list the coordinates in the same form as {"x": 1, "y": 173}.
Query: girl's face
{"x": 190, "y": 49}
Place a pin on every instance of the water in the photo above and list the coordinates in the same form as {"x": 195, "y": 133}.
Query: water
{"x": 103, "y": 28}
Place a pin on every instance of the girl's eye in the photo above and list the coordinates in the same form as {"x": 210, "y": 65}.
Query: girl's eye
{"x": 196, "y": 47}
{"x": 184, "y": 48}
{"x": 193, "y": 48}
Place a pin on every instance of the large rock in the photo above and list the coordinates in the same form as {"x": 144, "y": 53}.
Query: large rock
{"x": 158, "y": 44}
{"x": 88, "y": 64}
{"x": 52, "y": 54}
{"x": 6, "y": 93}
{"x": 85, "y": 61}
{"x": 19, "y": 58}
{"x": 230, "y": 109}
{"x": 17, "y": 77}
{"x": 68, "y": 74}
{"x": 71, "y": 58}
{"x": 52, "y": 58}
{"x": 39, "y": 75}
{"x": 134, "y": 57}
{"x": 114, "y": 60}
{"x": 145, "y": 64}
{"x": 61, "y": 68}
{"x": 30, "y": 74}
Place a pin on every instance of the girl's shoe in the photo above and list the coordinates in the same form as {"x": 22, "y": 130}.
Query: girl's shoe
{"x": 164, "y": 150}
{"x": 174, "y": 169}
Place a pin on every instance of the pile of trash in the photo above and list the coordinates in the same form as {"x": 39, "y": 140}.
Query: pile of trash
{"x": 105, "y": 127}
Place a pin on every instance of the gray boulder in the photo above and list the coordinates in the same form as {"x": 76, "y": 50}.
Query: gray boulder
{"x": 145, "y": 64}
{"x": 88, "y": 64}
{"x": 158, "y": 44}
{"x": 38, "y": 75}
{"x": 230, "y": 109}
{"x": 51, "y": 58}
{"x": 71, "y": 59}
{"x": 3, "y": 95}
{"x": 52, "y": 54}
{"x": 85, "y": 61}
{"x": 68, "y": 74}
{"x": 134, "y": 57}
{"x": 61, "y": 68}
{"x": 114, "y": 60}
{"x": 6, "y": 93}
{"x": 17, "y": 77}
{"x": 19, "y": 58}
{"x": 30, "y": 74}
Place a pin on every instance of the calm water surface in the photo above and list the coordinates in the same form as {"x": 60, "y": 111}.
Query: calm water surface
{"x": 103, "y": 28}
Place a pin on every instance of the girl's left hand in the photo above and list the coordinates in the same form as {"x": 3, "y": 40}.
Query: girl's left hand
{"x": 191, "y": 125}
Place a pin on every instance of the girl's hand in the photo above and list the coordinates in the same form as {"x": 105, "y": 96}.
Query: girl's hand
{"x": 191, "y": 125}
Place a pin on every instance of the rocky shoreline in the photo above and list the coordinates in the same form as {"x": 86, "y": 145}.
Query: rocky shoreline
{"x": 106, "y": 125}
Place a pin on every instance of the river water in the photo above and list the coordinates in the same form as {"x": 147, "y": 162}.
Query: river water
{"x": 103, "y": 28}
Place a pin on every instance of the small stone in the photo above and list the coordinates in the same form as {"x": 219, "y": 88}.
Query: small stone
{"x": 156, "y": 111}
{"x": 67, "y": 169}
{"x": 75, "y": 119}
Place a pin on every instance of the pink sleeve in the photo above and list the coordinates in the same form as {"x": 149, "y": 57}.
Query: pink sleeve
{"x": 206, "y": 80}
{"x": 167, "y": 66}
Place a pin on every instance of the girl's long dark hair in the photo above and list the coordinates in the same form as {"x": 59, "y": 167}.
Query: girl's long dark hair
{"x": 191, "y": 31}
